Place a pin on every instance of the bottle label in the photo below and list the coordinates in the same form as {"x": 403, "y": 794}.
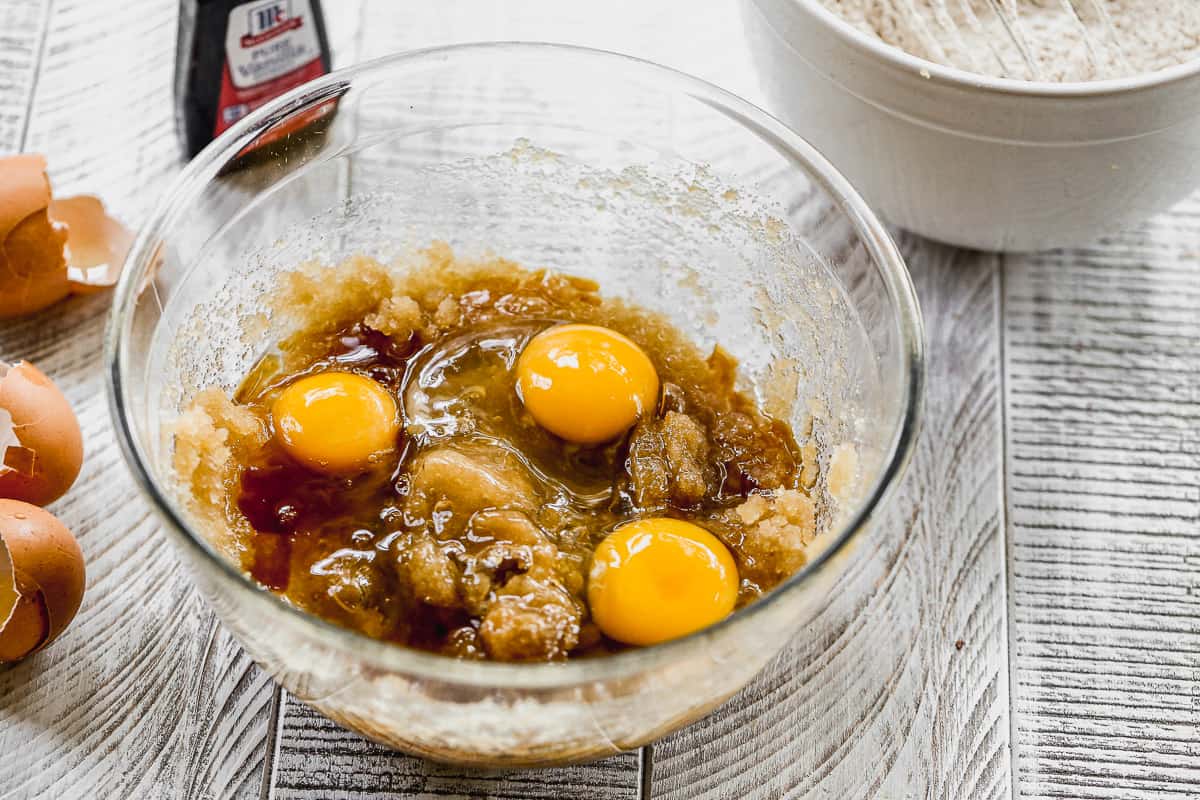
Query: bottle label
{"x": 271, "y": 46}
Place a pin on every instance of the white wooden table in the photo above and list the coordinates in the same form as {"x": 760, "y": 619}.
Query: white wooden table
{"x": 1050, "y": 553}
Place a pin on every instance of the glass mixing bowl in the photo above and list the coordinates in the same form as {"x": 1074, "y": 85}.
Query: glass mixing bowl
{"x": 669, "y": 192}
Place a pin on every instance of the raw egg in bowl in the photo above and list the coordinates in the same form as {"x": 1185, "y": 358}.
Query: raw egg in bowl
{"x": 672, "y": 196}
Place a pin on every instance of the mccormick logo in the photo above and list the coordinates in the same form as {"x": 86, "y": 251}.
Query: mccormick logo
{"x": 267, "y": 20}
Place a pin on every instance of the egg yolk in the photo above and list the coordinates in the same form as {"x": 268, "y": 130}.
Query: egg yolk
{"x": 658, "y": 579}
{"x": 335, "y": 422}
{"x": 586, "y": 383}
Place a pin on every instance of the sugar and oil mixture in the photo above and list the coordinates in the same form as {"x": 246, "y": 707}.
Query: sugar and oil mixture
{"x": 461, "y": 515}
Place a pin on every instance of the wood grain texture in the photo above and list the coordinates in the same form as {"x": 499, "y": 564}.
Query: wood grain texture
{"x": 888, "y": 703}
{"x": 22, "y": 28}
{"x": 102, "y": 111}
{"x": 319, "y": 760}
{"x": 1102, "y": 368}
{"x": 145, "y": 695}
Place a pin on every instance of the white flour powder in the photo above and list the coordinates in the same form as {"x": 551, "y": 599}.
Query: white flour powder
{"x": 1067, "y": 40}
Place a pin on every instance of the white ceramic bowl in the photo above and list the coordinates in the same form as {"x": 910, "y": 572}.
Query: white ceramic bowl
{"x": 981, "y": 162}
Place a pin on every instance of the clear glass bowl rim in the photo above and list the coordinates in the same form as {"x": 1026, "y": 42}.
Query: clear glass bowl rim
{"x": 196, "y": 175}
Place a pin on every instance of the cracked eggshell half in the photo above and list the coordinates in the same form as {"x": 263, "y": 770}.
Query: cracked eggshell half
{"x": 33, "y": 270}
{"x": 96, "y": 243}
{"x": 41, "y": 579}
{"x": 50, "y": 248}
{"x": 41, "y": 446}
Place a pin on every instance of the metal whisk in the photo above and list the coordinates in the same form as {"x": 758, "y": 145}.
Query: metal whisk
{"x": 938, "y": 24}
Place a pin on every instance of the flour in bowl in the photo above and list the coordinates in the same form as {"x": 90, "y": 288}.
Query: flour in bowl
{"x": 1053, "y": 40}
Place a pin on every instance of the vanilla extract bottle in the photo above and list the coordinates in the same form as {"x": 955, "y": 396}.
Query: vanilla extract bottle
{"x": 234, "y": 56}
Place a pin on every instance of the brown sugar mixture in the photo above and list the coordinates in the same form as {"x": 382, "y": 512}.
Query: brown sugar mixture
{"x": 488, "y": 462}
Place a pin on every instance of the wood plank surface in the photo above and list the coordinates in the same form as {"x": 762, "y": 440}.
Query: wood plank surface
{"x": 910, "y": 698}
{"x": 1102, "y": 370}
{"x": 22, "y": 30}
{"x": 319, "y": 760}
{"x": 102, "y": 110}
{"x": 907, "y": 696}
{"x": 145, "y": 695}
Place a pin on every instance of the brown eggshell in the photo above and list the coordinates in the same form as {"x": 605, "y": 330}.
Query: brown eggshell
{"x": 96, "y": 243}
{"x": 26, "y": 189}
{"x": 41, "y": 578}
{"x": 33, "y": 271}
{"x": 50, "y": 450}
